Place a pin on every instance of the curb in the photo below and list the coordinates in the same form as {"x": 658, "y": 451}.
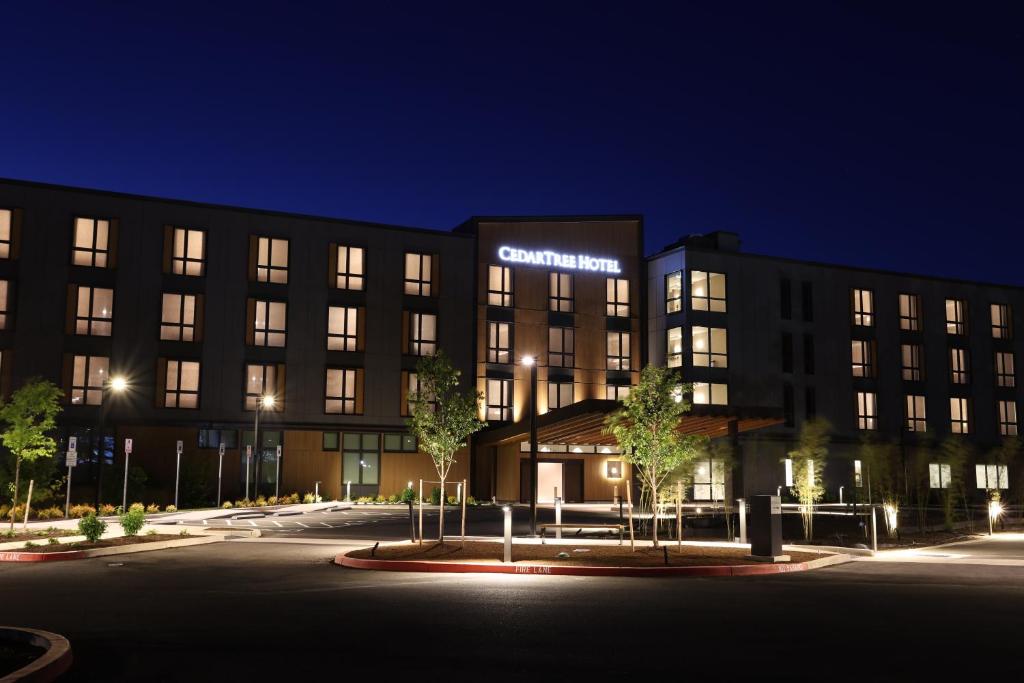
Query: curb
{"x": 26, "y": 556}
{"x": 54, "y": 662}
{"x": 563, "y": 570}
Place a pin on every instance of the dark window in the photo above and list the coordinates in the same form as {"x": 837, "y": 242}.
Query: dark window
{"x": 213, "y": 438}
{"x": 787, "y": 405}
{"x": 787, "y": 352}
{"x": 807, "y": 295}
{"x": 810, "y": 403}
{"x": 400, "y": 443}
{"x": 808, "y": 354}
{"x": 330, "y": 441}
{"x": 785, "y": 299}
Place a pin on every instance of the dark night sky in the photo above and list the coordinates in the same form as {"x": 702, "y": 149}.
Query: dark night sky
{"x": 851, "y": 133}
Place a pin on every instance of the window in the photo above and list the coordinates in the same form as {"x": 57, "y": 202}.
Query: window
{"x": 88, "y": 375}
{"x": 709, "y": 479}
{"x": 330, "y": 441}
{"x": 350, "y": 268}
{"x": 863, "y": 307}
{"x": 6, "y": 229}
{"x": 342, "y": 394}
{"x": 178, "y": 317}
{"x": 910, "y": 312}
{"x": 343, "y": 328}
{"x": 271, "y": 260}
{"x": 95, "y": 311}
{"x": 262, "y": 380}
{"x": 616, "y": 392}
{"x": 710, "y": 347}
{"x": 92, "y": 240}
{"x": 188, "y": 252}
{"x": 807, "y": 296}
{"x": 1005, "y": 376}
{"x": 1007, "y": 418}
{"x": 938, "y": 475}
{"x": 992, "y": 477}
{"x": 674, "y": 344}
{"x": 958, "y": 370}
{"x": 499, "y": 286}
{"x": 499, "y": 400}
{"x": 862, "y": 357}
{"x": 213, "y": 438}
{"x": 270, "y": 323}
{"x": 916, "y": 418}
{"x": 418, "y": 270}
{"x": 499, "y": 342}
{"x": 788, "y": 405}
{"x": 422, "y": 334}
{"x": 910, "y": 355}
{"x": 707, "y": 291}
{"x": 710, "y": 394}
{"x": 867, "y": 410}
{"x": 400, "y": 443}
{"x": 410, "y": 387}
{"x": 561, "y": 347}
{"x": 956, "y": 316}
{"x": 674, "y": 292}
{"x": 785, "y": 299}
{"x": 560, "y": 292}
{"x": 787, "y": 352}
{"x": 560, "y": 394}
{"x": 810, "y": 403}
{"x": 617, "y": 297}
{"x": 618, "y": 351}
{"x": 181, "y": 389}
{"x": 959, "y": 415}
{"x": 360, "y": 459}
{"x": 4, "y": 306}
{"x": 1001, "y": 321}
{"x": 808, "y": 354}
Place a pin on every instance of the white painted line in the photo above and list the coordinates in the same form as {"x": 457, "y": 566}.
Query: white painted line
{"x": 304, "y": 526}
{"x": 230, "y": 523}
{"x": 276, "y": 522}
{"x": 251, "y": 523}
{"x": 326, "y": 525}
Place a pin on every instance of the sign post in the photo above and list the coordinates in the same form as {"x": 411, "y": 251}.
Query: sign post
{"x": 220, "y": 470}
{"x": 277, "y": 476}
{"x": 177, "y": 473}
{"x": 124, "y": 493}
{"x": 248, "y": 462}
{"x": 71, "y": 461}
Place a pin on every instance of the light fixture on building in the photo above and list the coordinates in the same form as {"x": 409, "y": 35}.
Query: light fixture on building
{"x": 118, "y": 384}
{"x": 613, "y": 469}
{"x": 528, "y": 361}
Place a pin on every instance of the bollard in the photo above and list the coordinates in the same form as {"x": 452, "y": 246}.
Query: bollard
{"x": 508, "y": 534}
{"x": 743, "y": 519}
{"x": 348, "y": 492}
{"x": 558, "y": 517}
{"x": 874, "y": 531}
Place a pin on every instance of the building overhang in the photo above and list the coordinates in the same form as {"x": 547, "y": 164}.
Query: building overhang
{"x": 583, "y": 423}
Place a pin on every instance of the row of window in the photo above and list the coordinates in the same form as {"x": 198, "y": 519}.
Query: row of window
{"x": 910, "y": 318}
{"x": 709, "y": 347}
{"x": 864, "y": 363}
{"x": 561, "y": 346}
{"x": 915, "y": 417}
{"x": 707, "y": 291}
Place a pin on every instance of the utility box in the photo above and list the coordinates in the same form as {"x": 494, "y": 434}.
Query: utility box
{"x": 766, "y": 529}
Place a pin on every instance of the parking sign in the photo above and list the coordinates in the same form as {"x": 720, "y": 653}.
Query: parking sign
{"x": 72, "y": 444}
{"x": 128, "y": 446}
{"x": 221, "y": 449}
{"x": 181, "y": 447}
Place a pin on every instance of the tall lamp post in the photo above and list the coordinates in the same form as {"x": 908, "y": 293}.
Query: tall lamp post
{"x": 531, "y": 362}
{"x": 266, "y": 402}
{"x": 113, "y": 385}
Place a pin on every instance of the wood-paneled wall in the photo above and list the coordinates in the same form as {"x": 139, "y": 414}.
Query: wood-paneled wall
{"x": 596, "y": 486}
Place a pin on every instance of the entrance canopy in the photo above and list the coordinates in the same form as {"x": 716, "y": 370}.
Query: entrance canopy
{"x": 583, "y": 422}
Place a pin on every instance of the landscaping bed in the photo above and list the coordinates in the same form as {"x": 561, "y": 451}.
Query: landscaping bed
{"x": 16, "y": 655}
{"x": 37, "y": 535}
{"x": 102, "y": 543}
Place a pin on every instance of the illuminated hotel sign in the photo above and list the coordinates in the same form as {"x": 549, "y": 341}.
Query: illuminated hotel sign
{"x": 544, "y": 257}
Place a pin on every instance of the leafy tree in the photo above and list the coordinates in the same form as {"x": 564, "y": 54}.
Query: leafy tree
{"x": 646, "y": 430}
{"x": 954, "y": 452}
{"x": 878, "y": 462}
{"x": 443, "y": 417}
{"x": 808, "y": 464}
{"x": 30, "y": 417}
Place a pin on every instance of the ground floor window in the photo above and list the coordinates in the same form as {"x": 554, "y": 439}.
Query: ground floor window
{"x": 360, "y": 458}
{"x": 938, "y": 475}
{"x": 709, "y": 479}
{"x": 992, "y": 477}
{"x": 400, "y": 443}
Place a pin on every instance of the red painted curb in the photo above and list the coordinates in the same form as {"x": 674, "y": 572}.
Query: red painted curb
{"x": 20, "y": 556}
{"x": 563, "y": 570}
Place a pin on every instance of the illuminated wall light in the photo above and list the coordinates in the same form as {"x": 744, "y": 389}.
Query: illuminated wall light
{"x": 577, "y": 449}
{"x": 613, "y": 469}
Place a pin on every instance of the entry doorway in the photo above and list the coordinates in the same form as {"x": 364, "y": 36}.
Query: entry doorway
{"x": 568, "y": 478}
{"x": 549, "y": 478}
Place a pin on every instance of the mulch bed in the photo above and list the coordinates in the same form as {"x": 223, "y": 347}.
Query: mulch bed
{"x": 102, "y": 543}
{"x": 579, "y": 555}
{"x": 14, "y": 656}
{"x": 36, "y": 535}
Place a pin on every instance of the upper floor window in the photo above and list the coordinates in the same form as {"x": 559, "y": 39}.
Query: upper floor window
{"x": 349, "y": 268}
{"x": 343, "y": 391}
{"x": 710, "y": 347}
{"x": 915, "y": 414}
{"x": 269, "y": 323}
{"x": 94, "y": 312}
{"x": 705, "y": 393}
{"x": 959, "y": 415}
{"x": 910, "y": 355}
{"x": 674, "y": 292}
{"x": 410, "y": 387}
{"x": 867, "y": 410}
{"x": 618, "y": 350}
{"x": 418, "y": 274}
{"x": 343, "y": 328}
{"x": 959, "y": 373}
{"x": 187, "y": 252}
{"x": 264, "y": 380}
{"x": 178, "y": 314}
{"x": 1007, "y": 418}
{"x": 807, "y": 301}
{"x": 499, "y": 342}
{"x": 560, "y": 292}
{"x": 863, "y": 307}
{"x": 785, "y": 299}
{"x": 1005, "y": 376}
{"x": 617, "y": 297}
{"x": 271, "y": 260}
{"x": 5, "y": 291}
{"x": 6, "y": 230}
{"x": 616, "y": 392}
{"x": 560, "y": 394}
{"x": 92, "y": 242}
{"x": 674, "y": 346}
{"x": 910, "y": 312}
{"x": 956, "y": 316}
{"x": 863, "y": 358}
{"x": 707, "y": 291}
{"x": 88, "y": 376}
{"x": 1001, "y": 328}
{"x": 422, "y": 334}
{"x": 499, "y": 286}
{"x": 499, "y": 400}
{"x": 181, "y": 385}
{"x": 561, "y": 347}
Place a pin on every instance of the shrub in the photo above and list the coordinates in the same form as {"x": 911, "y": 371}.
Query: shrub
{"x": 380, "y": 499}
{"x": 137, "y": 506}
{"x": 92, "y": 527}
{"x": 151, "y": 532}
{"x": 183, "y": 532}
{"x": 261, "y": 501}
{"x": 152, "y": 508}
{"x": 272, "y": 500}
{"x": 53, "y": 541}
{"x": 170, "y": 508}
{"x": 132, "y": 521}
{"x": 407, "y": 496}
{"x": 470, "y": 500}
{"x": 435, "y": 496}
{"x": 393, "y": 498}
{"x": 307, "y": 498}
{"x": 452, "y": 500}
{"x": 227, "y": 505}
{"x": 364, "y": 500}
{"x": 29, "y": 544}
{"x": 106, "y": 510}
{"x": 82, "y": 510}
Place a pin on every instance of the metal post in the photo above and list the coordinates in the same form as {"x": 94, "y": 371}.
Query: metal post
{"x": 348, "y": 491}
{"x": 874, "y": 531}
{"x": 508, "y": 534}
{"x": 533, "y": 449}
{"x": 463, "y": 500}
{"x": 124, "y": 492}
{"x": 840, "y": 495}
{"x": 67, "y": 500}
{"x": 248, "y": 464}
{"x": 277, "y": 475}
{"x": 458, "y": 492}
{"x": 743, "y": 520}
{"x": 421, "y": 512}
{"x": 629, "y": 499}
{"x": 412, "y": 524}
{"x": 256, "y": 452}
{"x": 220, "y": 471}
{"x": 679, "y": 515}
{"x": 177, "y": 480}
{"x": 558, "y": 517}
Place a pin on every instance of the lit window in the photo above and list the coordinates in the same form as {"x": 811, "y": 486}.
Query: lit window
{"x": 707, "y": 291}
{"x": 709, "y": 479}
{"x": 4, "y": 306}
{"x": 1001, "y": 321}
{"x": 958, "y": 370}
{"x": 350, "y": 271}
{"x": 910, "y": 312}
{"x": 6, "y": 222}
{"x": 910, "y": 355}
{"x": 271, "y": 260}
{"x": 956, "y": 316}
{"x": 959, "y": 415}
{"x": 560, "y": 287}
{"x": 561, "y": 347}
{"x": 91, "y": 242}
{"x": 916, "y": 418}
{"x": 340, "y": 394}
{"x": 88, "y": 375}
{"x": 418, "y": 274}
{"x": 618, "y": 351}
{"x": 560, "y": 394}
{"x": 710, "y": 347}
{"x": 617, "y": 297}
{"x": 422, "y": 334}
{"x": 616, "y": 392}
{"x": 863, "y": 358}
{"x": 499, "y": 400}
{"x": 1008, "y": 418}
{"x": 270, "y": 323}
{"x": 499, "y": 342}
{"x": 710, "y": 394}
{"x": 178, "y": 317}
{"x": 261, "y": 380}
{"x": 992, "y": 477}
{"x": 188, "y": 254}
{"x": 674, "y": 292}
{"x": 95, "y": 311}
{"x": 938, "y": 475}
{"x": 1005, "y": 376}
{"x": 867, "y": 410}
{"x": 674, "y": 344}
{"x": 181, "y": 389}
{"x": 342, "y": 328}
{"x": 863, "y": 307}
{"x": 499, "y": 286}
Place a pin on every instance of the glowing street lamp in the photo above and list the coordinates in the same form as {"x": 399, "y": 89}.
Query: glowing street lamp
{"x": 114, "y": 385}
{"x": 531, "y": 362}
{"x": 266, "y": 402}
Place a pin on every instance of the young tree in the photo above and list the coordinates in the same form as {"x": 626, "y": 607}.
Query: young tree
{"x": 808, "y": 465}
{"x": 646, "y": 430}
{"x": 443, "y": 417}
{"x": 29, "y": 416}
{"x": 878, "y": 462}
{"x": 954, "y": 453}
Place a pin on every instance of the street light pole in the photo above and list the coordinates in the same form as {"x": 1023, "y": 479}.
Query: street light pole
{"x": 256, "y": 452}
{"x": 113, "y": 385}
{"x": 531, "y": 363}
